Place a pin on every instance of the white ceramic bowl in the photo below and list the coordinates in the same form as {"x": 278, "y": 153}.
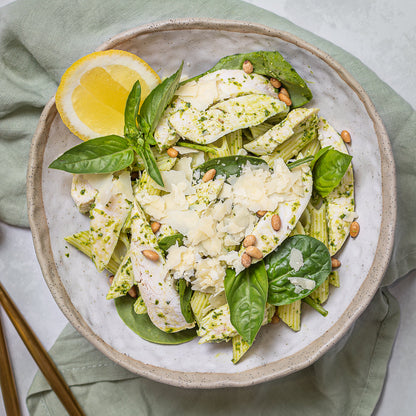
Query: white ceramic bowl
{"x": 80, "y": 290}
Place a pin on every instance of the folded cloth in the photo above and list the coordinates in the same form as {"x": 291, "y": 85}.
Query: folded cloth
{"x": 37, "y": 44}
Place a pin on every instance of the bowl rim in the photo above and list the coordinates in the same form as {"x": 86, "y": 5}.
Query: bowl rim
{"x": 267, "y": 372}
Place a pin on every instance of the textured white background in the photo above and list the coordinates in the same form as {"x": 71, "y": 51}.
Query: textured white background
{"x": 382, "y": 34}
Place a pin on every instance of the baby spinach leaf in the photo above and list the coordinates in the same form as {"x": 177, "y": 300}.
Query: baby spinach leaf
{"x": 170, "y": 240}
{"x": 328, "y": 171}
{"x": 131, "y": 111}
{"x": 156, "y": 102}
{"x": 316, "y": 266}
{"x": 143, "y": 326}
{"x": 269, "y": 64}
{"x": 102, "y": 155}
{"x": 229, "y": 165}
{"x": 246, "y": 296}
{"x": 185, "y": 294}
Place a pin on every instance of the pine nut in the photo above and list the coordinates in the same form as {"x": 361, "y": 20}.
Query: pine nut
{"x": 335, "y": 263}
{"x": 110, "y": 279}
{"x": 276, "y": 222}
{"x": 254, "y": 252}
{"x": 284, "y": 91}
{"x": 245, "y": 260}
{"x": 285, "y": 99}
{"x": 250, "y": 240}
{"x": 172, "y": 152}
{"x": 155, "y": 226}
{"x": 133, "y": 292}
{"x": 354, "y": 229}
{"x": 346, "y": 136}
{"x": 261, "y": 213}
{"x": 247, "y": 67}
{"x": 209, "y": 175}
{"x": 275, "y": 83}
{"x": 151, "y": 255}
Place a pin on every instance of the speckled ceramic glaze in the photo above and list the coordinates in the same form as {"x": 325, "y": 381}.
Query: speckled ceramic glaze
{"x": 80, "y": 290}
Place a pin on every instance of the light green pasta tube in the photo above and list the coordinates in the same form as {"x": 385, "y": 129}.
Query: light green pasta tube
{"x": 164, "y": 161}
{"x": 235, "y": 141}
{"x": 290, "y": 314}
{"x": 291, "y": 147}
{"x": 312, "y": 148}
{"x": 260, "y": 129}
{"x": 298, "y": 229}
{"x": 321, "y": 293}
{"x": 199, "y": 304}
{"x": 123, "y": 279}
{"x": 319, "y": 230}
{"x": 139, "y": 306}
{"x": 240, "y": 347}
{"x": 334, "y": 278}
{"x": 81, "y": 241}
{"x": 221, "y": 148}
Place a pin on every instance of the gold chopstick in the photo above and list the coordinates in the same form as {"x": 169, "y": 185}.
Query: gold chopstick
{"x": 40, "y": 355}
{"x": 7, "y": 382}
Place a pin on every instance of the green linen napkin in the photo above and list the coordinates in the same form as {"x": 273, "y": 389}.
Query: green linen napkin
{"x": 37, "y": 44}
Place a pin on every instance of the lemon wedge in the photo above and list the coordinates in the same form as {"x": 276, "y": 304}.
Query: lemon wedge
{"x": 93, "y": 92}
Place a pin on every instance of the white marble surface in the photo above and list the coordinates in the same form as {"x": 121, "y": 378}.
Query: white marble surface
{"x": 378, "y": 33}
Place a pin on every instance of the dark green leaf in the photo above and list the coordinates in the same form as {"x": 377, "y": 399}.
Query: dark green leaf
{"x": 156, "y": 102}
{"x": 328, "y": 171}
{"x": 150, "y": 163}
{"x": 102, "y": 155}
{"x": 246, "y": 296}
{"x": 299, "y": 162}
{"x": 143, "y": 326}
{"x": 270, "y": 64}
{"x": 229, "y": 165}
{"x": 316, "y": 266}
{"x": 185, "y": 295}
{"x": 132, "y": 110}
{"x": 170, "y": 240}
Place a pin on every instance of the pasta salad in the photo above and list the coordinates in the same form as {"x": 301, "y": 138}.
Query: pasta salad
{"x": 223, "y": 206}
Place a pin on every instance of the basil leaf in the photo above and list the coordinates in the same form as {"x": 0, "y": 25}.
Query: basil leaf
{"x": 316, "y": 266}
{"x": 150, "y": 163}
{"x": 320, "y": 153}
{"x": 328, "y": 171}
{"x": 228, "y": 165}
{"x": 132, "y": 110}
{"x": 185, "y": 294}
{"x": 270, "y": 64}
{"x": 155, "y": 103}
{"x": 300, "y": 162}
{"x": 246, "y": 296}
{"x": 143, "y": 326}
{"x": 102, "y": 155}
{"x": 170, "y": 240}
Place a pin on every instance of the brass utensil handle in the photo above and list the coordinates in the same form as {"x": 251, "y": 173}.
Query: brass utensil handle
{"x": 7, "y": 382}
{"x": 40, "y": 355}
